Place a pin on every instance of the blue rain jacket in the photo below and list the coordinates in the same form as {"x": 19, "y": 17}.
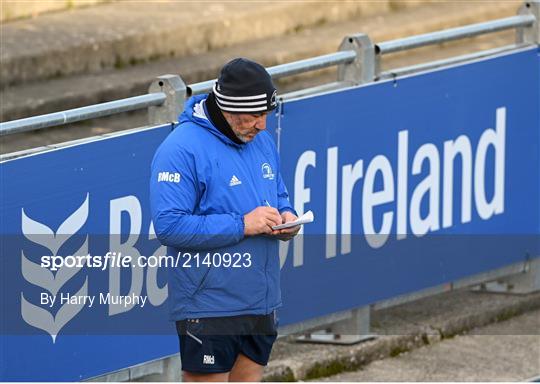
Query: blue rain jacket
{"x": 202, "y": 184}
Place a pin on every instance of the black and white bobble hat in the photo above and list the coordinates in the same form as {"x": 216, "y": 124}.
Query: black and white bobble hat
{"x": 244, "y": 86}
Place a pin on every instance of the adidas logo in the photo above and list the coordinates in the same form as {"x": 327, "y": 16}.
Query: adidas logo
{"x": 208, "y": 359}
{"x": 234, "y": 181}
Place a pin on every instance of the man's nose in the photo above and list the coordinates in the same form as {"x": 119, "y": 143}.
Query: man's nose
{"x": 260, "y": 124}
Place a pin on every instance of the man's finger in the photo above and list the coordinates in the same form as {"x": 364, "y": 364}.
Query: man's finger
{"x": 275, "y": 218}
{"x": 270, "y": 223}
{"x": 294, "y": 229}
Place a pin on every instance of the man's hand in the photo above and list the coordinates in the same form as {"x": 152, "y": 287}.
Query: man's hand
{"x": 287, "y": 233}
{"x": 261, "y": 220}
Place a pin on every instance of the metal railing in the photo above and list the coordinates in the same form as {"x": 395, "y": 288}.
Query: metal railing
{"x": 289, "y": 69}
{"x": 452, "y": 34}
{"x": 358, "y": 62}
{"x": 83, "y": 113}
{"x": 394, "y": 73}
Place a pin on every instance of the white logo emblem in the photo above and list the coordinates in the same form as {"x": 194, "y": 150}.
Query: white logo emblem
{"x": 267, "y": 171}
{"x": 41, "y": 234}
{"x": 208, "y": 359}
{"x": 273, "y": 99}
{"x": 234, "y": 181}
{"x": 172, "y": 177}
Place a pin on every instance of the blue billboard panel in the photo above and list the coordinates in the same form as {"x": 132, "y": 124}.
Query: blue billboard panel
{"x": 413, "y": 183}
{"x": 76, "y": 201}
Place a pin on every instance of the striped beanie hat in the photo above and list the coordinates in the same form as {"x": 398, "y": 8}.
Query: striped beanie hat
{"x": 244, "y": 86}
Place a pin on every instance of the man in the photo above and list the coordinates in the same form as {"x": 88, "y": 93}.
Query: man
{"x": 216, "y": 191}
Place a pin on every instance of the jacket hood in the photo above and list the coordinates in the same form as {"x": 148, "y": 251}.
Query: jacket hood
{"x": 195, "y": 111}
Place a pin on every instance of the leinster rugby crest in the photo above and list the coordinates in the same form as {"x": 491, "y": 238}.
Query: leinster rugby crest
{"x": 267, "y": 172}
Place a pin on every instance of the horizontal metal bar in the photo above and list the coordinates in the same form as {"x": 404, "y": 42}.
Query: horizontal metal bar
{"x": 315, "y": 323}
{"x": 311, "y": 64}
{"x": 450, "y": 61}
{"x": 23, "y": 152}
{"x": 199, "y": 88}
{"x": 289, "y": 69}
{"x": 84, "y": 140}
{"x": 454, "y": 34}
{"x": 318, "y": 90}
{"x": 83, "y": 113}
{"x": 483, "y": 277}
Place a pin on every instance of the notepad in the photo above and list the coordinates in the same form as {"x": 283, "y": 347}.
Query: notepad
{"x": 304, "y": 219}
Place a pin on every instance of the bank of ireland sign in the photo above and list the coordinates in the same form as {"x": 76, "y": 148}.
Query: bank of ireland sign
{"x": 71, "y": 280}
{"x": 35, "y": 314}
{"x": 69, "y": 320}
{"x": 92, "y": 199}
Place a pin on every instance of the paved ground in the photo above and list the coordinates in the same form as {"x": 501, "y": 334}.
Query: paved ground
{"x": 505, "y": 351}
{"x": 423, "y": 323}
{"x": 457, "y": 335}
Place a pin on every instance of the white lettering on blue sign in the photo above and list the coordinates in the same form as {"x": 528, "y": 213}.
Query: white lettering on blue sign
{"x": 406, "y": 211}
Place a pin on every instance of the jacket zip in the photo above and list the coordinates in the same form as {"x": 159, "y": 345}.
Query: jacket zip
{"x": 254, "y": 186}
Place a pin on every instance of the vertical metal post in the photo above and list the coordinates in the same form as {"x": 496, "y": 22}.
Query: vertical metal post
{"x": 351, "y": 330}
{"x": 529, "y": 34}
{"x": 172, "y": 370}
{"x": 175, "y": 90}
{"x": 358, "y": 326}
{"x": 365, "y": 67}
{"x": 528, "y": 281}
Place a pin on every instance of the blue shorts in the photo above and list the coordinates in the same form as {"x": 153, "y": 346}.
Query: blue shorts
{"x": 212, "y": 344}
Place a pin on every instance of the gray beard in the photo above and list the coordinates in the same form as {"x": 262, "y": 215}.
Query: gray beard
{"x": 242, "y": 138}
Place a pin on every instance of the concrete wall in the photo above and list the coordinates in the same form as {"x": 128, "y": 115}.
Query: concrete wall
{"x": 16, "y": 9}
